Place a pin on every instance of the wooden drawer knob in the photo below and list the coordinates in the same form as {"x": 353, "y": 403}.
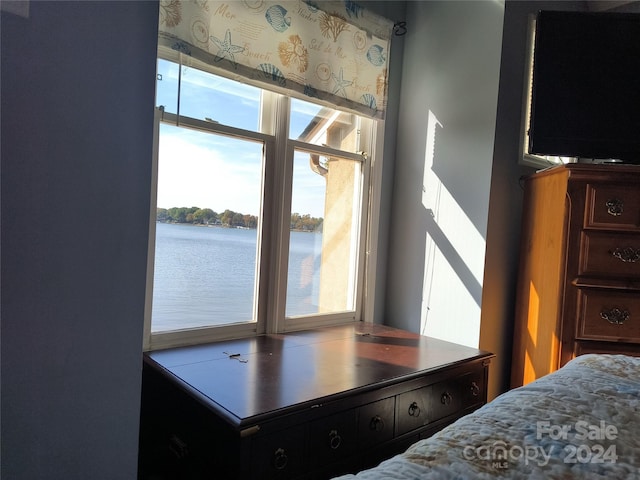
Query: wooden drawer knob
{"x": 615, "y": 207}
{"x": 615, "y": 316}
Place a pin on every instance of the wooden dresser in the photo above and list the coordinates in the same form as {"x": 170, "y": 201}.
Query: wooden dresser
{"x": 579, "y": 279}
{"x": 301, "y": 405}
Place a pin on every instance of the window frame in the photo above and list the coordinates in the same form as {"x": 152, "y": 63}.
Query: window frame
{"x": 313, "y": 321}
{"x": 274, "y": 228}
{"x": 526, "y": 158}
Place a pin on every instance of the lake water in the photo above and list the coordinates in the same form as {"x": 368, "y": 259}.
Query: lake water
{"x": 205, "y": 275}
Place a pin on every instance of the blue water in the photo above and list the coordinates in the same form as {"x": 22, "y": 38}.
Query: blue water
{"x": 205, "y": 275}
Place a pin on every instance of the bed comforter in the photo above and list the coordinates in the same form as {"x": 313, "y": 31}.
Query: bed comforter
{"x": 582, "y": 422}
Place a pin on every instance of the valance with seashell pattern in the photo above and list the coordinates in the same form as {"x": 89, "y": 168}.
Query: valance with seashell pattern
{"x": 334, "y": 51}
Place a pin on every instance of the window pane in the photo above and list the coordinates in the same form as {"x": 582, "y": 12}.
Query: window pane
{"x": 324, "y": 235}
{"x": 167, "y": 86}
{"x": 205, "y": 96}
{"x": 209, "y": 201}
{"x": 318, "y": 125}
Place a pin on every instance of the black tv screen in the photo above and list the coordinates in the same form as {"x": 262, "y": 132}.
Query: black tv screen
{"x": 586, "y": 86}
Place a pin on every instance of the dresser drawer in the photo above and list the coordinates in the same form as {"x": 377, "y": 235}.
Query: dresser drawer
{"x": 589, "y": 346}
{"x": 278, "y": 455}
{"x": 446, "y": 398}
{"x": 376, "y": 422}
{"x": 613, "y": 206}
{"x": 473, "y": 387}
{"x": 419, "y": 407}
{"x": 609, "y": 316}
{"x": 412, "y": 409}
{"x": 333, "y": 438}
{"x": 610, "y": 254}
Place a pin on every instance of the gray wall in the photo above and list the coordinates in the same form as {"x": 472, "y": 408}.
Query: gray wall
{"x": 440, "y": 199}
{"x": 505, "y": 204}
{"x": 78, "y": 83}
{"x": 464, "y": 61}
{"x": 396, "y": 11}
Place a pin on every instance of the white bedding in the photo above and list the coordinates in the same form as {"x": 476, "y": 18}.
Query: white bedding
{"x": 581, "y": 422}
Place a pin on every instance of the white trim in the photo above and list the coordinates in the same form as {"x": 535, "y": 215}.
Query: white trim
{"x": 306, "y": 322}
{"x": 212, "y": 127}
{"x": 373, "y": 220}
{"x": 323, "y": 150}
{"x": 361, "y": 210}
{"x": 359, "y": 226}
{"x": 189, "y": 336}
{"x": 195, "y": 336}
{"x": 151, "y": 246}
{"x": 281, "y": 208}
{"x": 274, "y": 227}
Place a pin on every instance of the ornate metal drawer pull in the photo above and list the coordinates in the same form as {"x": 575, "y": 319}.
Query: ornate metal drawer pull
{"x": 615, "y": 207}
{"x": 446, "y": 398}
{"x": 334, "y": 440}
{"x": 414, "y": 410}
{"x": 280, "y": 459}
{"x": 615, "y": 316}
{"x": 475, "y": 389}
{"x": 376, "y": 423}
{"x": 627, "y": 255}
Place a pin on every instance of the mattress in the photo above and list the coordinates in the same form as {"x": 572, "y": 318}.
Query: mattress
{"x": 582, "y": 421}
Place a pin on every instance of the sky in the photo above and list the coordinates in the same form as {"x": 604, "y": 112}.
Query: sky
{"x": 217, "y": 172}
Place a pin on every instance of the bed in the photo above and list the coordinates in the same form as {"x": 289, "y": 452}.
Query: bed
{"x": 582, "y": 422}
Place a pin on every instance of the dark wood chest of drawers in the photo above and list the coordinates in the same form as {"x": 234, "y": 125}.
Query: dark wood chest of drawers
{"x": 579, "y": 278}
{"x": 302, "y": 405}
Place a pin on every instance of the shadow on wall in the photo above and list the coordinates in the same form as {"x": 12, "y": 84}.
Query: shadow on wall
{"x": 452, "y": 245}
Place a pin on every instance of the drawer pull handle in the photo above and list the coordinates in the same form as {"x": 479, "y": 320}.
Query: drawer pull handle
{"x": 414, "y": 410}
{"x": 615, "y": 316}
{"x": 334, "y": 440}
{"x": 615, "y": 207}
{"x": 475, "y": 389}
{"x": 376, "y": 423}
{"x": 280, "y": 459}
{"x": 627, "y": 255}
{"x": 446, "y": 398}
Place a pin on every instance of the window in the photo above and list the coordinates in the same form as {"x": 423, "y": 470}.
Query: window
{"x": 261, "y": 210}
{"x": 529, "y": 159}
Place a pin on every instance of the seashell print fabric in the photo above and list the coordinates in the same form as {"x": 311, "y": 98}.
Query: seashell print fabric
{"x": 334, "y": 51}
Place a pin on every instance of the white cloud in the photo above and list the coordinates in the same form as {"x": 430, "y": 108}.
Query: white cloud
{"x": 193, "y": 174}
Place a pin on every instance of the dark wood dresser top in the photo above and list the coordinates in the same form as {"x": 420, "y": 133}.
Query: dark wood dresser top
{"x": 251, "y": 379}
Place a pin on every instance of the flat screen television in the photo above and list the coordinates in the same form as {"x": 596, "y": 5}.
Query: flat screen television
{"x": 586, "y": 86}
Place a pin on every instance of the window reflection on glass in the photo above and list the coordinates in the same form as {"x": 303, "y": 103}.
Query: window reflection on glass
{"x": 167, "y": 86}
{"x": 208, "y": 97}
{"x": 323, "y": 241}
{"x": 319, "y": 125}
{"x": 209, "y": 203}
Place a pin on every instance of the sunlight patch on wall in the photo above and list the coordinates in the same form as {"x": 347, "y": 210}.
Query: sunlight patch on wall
{"x": 454, "y": 258}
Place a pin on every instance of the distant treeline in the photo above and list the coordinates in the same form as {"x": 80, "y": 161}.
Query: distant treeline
{"x": 229, "y": 218}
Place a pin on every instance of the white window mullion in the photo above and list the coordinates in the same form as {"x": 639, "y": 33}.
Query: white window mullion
{"x": 279, "y": 191}
{"x": 371, "y": 238}
{"x": 148, "y": 300}
{"x": 265, "y": 241}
